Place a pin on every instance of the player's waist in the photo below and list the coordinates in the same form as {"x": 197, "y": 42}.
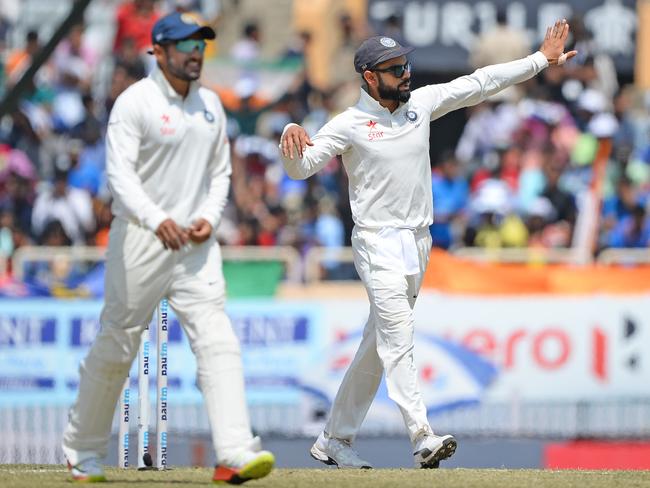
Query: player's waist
{"x": 417, "y": 231}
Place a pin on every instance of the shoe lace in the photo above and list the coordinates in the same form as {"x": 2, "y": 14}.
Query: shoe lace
{"x": 344, "y": 446}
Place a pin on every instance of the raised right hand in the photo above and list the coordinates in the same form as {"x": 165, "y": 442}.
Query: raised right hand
{"x": 295, "y": 136}
{"x": 171, "y": 235}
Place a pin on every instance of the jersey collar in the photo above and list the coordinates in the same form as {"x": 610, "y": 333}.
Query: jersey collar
{"x": 368, "y": 104}
{"x": 159, "y": 79}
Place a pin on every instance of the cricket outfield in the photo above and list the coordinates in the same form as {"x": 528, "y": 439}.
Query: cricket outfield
{"x": 29, "y": 476}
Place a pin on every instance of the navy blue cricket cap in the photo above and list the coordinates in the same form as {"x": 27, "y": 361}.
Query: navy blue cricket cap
{"x": 177, "y": 26}
{"x": 376, "y": 50}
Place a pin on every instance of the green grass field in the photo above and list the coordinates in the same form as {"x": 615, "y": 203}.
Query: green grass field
{"x": 36, "y": 476}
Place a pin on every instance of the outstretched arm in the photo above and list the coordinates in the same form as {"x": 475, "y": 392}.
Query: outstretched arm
{"x": 472, "y": 89}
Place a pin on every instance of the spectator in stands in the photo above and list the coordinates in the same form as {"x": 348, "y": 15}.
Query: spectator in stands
{"x": 130, "y": 59}
{"x": 67, "y": 107}
{"x": 247, "y": 48}
{"x": 70, "y": 206}
{"x": 329, "y": 233}
{"x": 17, "y": 195}
{"x": 541, "y": 233}
{"x": 502, "y": 44}
{"x": 563, "y": 202}
{"x": 185, "y": 6}
{"x": 491, "y": 125}
{"x": 393, "y": 28}
{"x": 493, "y": 224}
{"x": 7, "y": 229}
{"x": 623, "y": 203}
{"x": 87, "y": 163}
{"x": 5, "y": 29}
{"x": 53, "y": 276}
{"x": 88, "y": 152}
{"x": 631, "y": 231}
{"x": 73, "y": 49}
{"x": 135, "y": 19}
{"x": 298, "y": 45}
{"x": 507, "y": 139}
{"x": 591, "y": 68}
{"x": 124, "y": 75}
{"x": 19, "y": 60}
{"x": 450, "y": 196}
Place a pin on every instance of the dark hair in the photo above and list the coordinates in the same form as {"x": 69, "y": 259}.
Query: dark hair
{"x": 393, "y": 20}
{"x": 250, "y": 28}
{"x": 53, "y": 228}
{"x": 32, "y": 36}
{"x": 502, "y": 18}
{"x": 447, "y": 155}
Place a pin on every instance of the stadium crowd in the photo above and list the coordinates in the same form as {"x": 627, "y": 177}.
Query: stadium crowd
{"x": 514, "y": 178}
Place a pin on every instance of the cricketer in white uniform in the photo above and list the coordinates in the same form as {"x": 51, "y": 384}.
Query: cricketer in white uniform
{"x": 168, "y": 167}
{"x": 384, "y": 142}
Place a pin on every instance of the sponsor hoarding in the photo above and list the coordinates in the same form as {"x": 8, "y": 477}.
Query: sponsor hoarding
{"x": 444, "y": 31}
{"x": 468, "y": 349}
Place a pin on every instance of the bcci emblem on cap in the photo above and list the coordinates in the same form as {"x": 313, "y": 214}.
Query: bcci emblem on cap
{"x": 177, "y": 26}
{"x": 376, "y": 50}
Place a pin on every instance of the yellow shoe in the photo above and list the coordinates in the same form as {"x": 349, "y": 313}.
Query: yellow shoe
{"x": 246, "y": 465}
{"x": 87, "y": 471}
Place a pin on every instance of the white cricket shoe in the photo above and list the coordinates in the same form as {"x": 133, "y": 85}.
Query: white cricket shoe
{"x": 246, "y": 464}
{"x": 430, "y": 449}
{"x": 337, "y": 452}
{"x": 87, "y": 471}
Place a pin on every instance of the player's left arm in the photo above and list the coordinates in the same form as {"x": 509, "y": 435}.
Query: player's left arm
{"x": 219, "y": 170}
{"x": 472, "y": 89}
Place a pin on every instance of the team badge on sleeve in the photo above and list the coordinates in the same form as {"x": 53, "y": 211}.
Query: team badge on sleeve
{"x": 208, "y": 115}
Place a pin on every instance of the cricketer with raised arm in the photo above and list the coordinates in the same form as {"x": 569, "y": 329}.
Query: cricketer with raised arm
{"x": 384, "y": 144}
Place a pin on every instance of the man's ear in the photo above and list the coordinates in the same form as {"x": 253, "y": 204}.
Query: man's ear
{"x": 370, "y": 78}
{"x": 159, "y": 53}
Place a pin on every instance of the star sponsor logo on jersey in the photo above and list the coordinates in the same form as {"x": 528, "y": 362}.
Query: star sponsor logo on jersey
{"x": 166, "y": 129}
{"x": 373, "y": 132}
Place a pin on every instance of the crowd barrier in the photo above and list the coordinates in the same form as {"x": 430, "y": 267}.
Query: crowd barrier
{"x": 309, "y": 268}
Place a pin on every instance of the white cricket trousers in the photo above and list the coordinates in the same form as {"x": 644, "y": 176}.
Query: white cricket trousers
{"x": 139, "y": 273}
{"x": 387, "y": 343}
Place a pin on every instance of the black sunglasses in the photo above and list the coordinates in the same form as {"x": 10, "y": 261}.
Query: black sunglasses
{"x": 397, "y": 70}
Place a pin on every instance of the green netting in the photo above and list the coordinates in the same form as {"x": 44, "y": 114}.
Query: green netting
{"x": 252, "y": 278}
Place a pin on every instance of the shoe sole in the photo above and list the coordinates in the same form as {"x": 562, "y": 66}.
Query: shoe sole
{"x": 432, "y": 461}
{"x": 319, "y": 455}
{"x": 86, "y": 479}
{"x": 256, "y": 469}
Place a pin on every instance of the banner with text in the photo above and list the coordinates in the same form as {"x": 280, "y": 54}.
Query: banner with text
{"x": 469, "y": 349}
{"x": 445, "y": 31}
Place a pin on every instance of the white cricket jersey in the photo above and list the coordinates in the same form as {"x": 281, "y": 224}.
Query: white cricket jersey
{"x": 167, "y": 156}
{"x": 386, "y": 155}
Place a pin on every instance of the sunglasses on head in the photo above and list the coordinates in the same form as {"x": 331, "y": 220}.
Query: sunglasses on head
{"x": 188, "y": 45}
{"x": 397, "y": 70}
